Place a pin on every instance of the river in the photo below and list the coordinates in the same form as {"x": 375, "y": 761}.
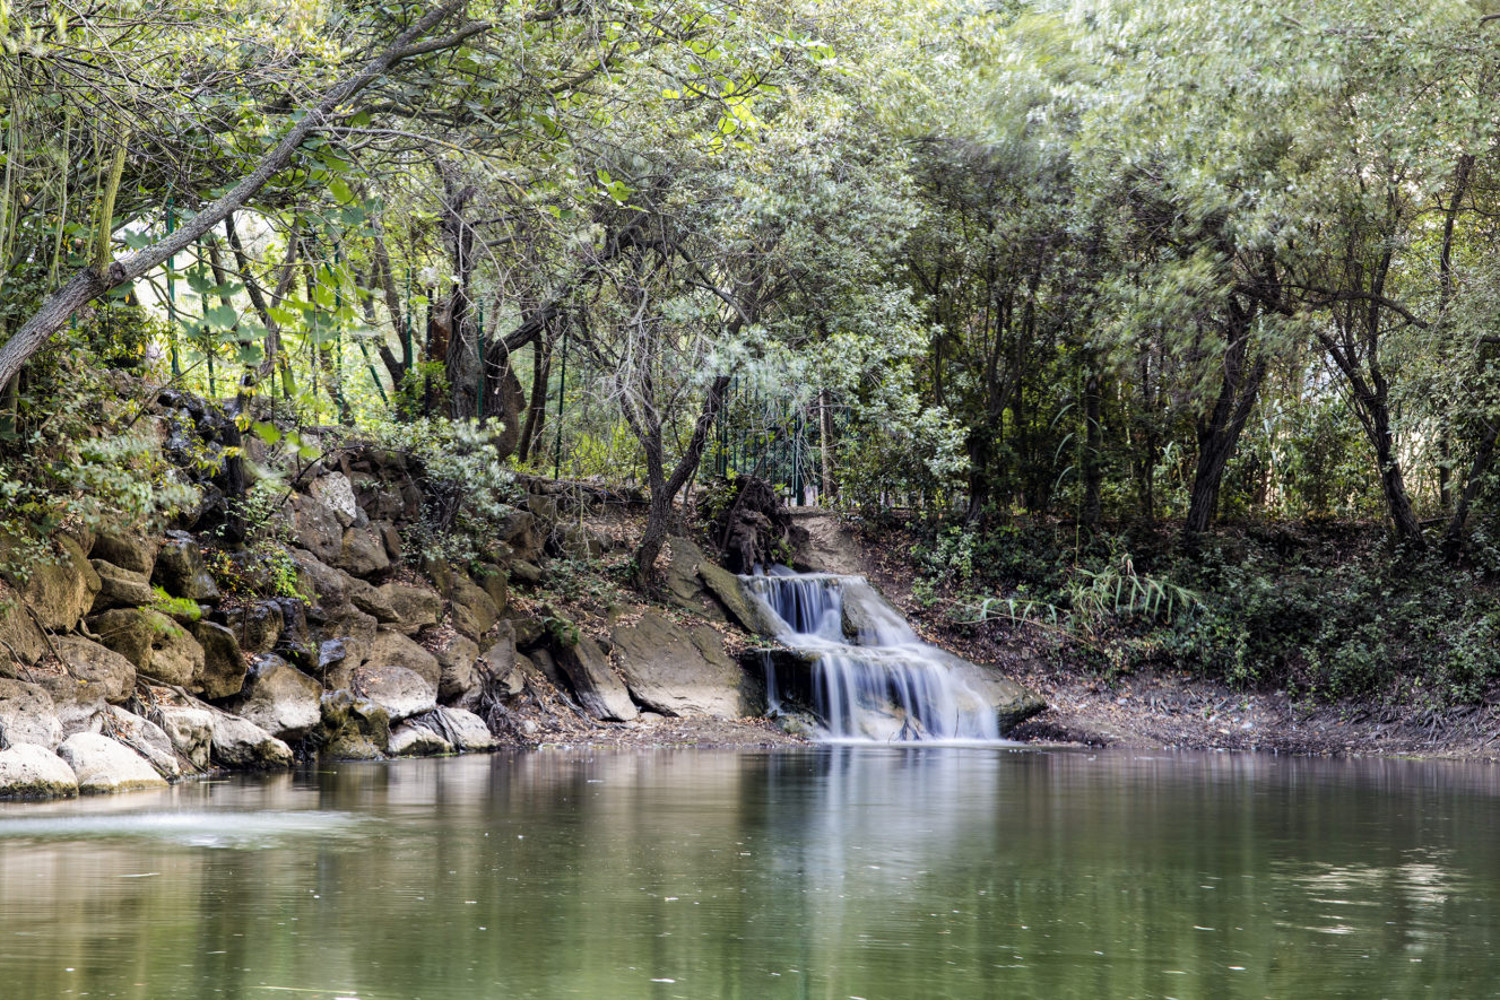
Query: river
{"x": 838, "y": 872}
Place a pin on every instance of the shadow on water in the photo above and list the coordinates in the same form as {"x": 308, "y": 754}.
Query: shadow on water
{"x": 836, "y": 872}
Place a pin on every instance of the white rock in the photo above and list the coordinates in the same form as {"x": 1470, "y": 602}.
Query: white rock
{"x": 103, "y": 765}
{"x": 468, "y": 730}
{"x": 416, "y": 741}
{"x": 28, "y": 771}
{"x": 240, "y": 743}
{"x": 191, "y": 731}
{"x": 335, "y": 490}
{"x": 141, "y": 735}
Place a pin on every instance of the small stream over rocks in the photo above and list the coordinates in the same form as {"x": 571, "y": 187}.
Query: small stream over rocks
{"x": 866, "y": 676}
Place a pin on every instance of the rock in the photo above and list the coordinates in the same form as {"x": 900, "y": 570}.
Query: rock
{"x": 103, "y": 765}
{"x": 502, "y": 663}
{"x": 336, "y": 492}
{"x": 467, "y": 731}
{"x": 576, "y": 541}
{"x": 328, "y": 586}
{"x": 745, "y": 611}
{"x": 61, "y": 591}
{"x": 29, "y": 771}
{"x": 238, "y": 742}
{"x": 27, "y": 715}
{"x": 408, "y": 608}
{"x": 119, "y": 588}
{"x": 362, "y": 552}
{"x": 279, "y": 698}
{"x": 522, "y": 533}
{"x": 401, "y": 692}
{"x": 355, "y": 729}
{"x": 1013, "y": 703}
{"x": 176, "y": 657}
{"x": 95, "y": 675}
{"x": 223, "y": 663}
{"x": 256, "y": 627}
{"x": 395, "y": 550}
{"x": 132, "y": 553}
{"x": 392, "y": 649}
{"x": 181, "y": 571}
{"x": 440, "y": 572}
{"x": 524, "y": 572}
{"x": 543, "y": 506}
{"x": 599, "y": 691}
{"x": 142, "y": 736}
{"x": 191, "y": 731}
{"x": 456, "y": 656}
{"x": 130, "y": 632}
{"x": 316, "y": 527}
{"x": 474, "y": 613}
{"x": 496, "y": 583}
{"x": 416, "y": 741}
{"x": 19, "y": 635}
{"x": 684, "y": 586}
{"x": 546, "y": 665}
{"x": 678, "y": 671}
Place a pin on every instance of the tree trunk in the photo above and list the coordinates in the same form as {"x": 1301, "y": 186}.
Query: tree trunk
{"x": 1219, "y": 431}
{"x": 536, "y": 410}
{"x": 92, "y": 282}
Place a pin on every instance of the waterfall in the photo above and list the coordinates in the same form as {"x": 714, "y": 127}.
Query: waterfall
{"x": 871, "y": 678}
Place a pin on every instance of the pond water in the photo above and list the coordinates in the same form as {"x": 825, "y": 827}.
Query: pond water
{"x": 885, "y": 874}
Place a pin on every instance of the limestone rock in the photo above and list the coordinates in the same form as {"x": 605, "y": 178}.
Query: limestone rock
{"x": 119, "y": 588}
{"x": 256, "y": 627}
{"x": 61, "y": 592}
{"x": 466, "y": 731}
{"x": 103, "y": 765}
{"x": 18, "y": 631}
{"x": 746, "y": 612}
{"x": 599, "y": 691}
{"x": 362, "y": 551}
{"x": 401, "y": 692}
{"x": 181, "y": 571}
{"x": 496, "y": 583}
{"x": 336, "y": 492}
{"x": 191, "y": 731}
{"x": 130, "y": 632}
{"x": 521, "y": 531}
{"x": 416, "y": 741}
{"x": 133, "y": 553}
{"x": 316, "y": 527}
{"x": 27, "y": 715}
{"x": 684, "y": 586}
{"x": 456, "y": 656}
{"x": 141, "y": 735}
{"x": 279, "y": 698}
{"x": 223, "y": 663}
{"x": 392, "y": 649}
{"x": 474, "y": 613}
{"x": 408, "y": 608}
{"x": 29, "y": 771}
{"x": 355, "y": 729}
{"x": 525, "y": 572}
{"x": 678, "y": 671}
{"x": 95, "y": 675}
{"x": 176, "y": 657}
{"x": 238, "y": 742}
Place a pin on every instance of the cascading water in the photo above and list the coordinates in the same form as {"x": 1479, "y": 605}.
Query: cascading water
{"x": 872, "y": 678}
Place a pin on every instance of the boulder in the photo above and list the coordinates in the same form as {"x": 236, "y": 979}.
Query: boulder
{"x": 316, "y": 527}
{"x": 684, "y": 585}
{"x": 503, "y": 665}
{"x": 238, "y": 742}
{"x": 29, "y": 771}
{"x": 599, "y": 691}
{"x": 746, "y": 612}
{"x": 27, "y": 715}
{"x": 525, "y": 572}
{"x": 467, "y": 731}
{"x": 256, "y": 627}
{"x": 141, "y": 735}
{"x": 19, "y": 635}
{"x": 522, "y": 532}
{"x": 401, "y": 692}
{"x": 474, "y": 613}
{"x": 392, "y": 649}
{"x": 61, "y": 591}
{"x": 679, "y": 671}
{"x": 181, "y": 571}
{"x": 395, "y": 549}
{"x": 355, "y": 729}
{"x": 408, "y": 740}
{"x": 103, "y": 765}
{"x": 133, "y": 553}
{"x": 119, "y": 588}
{"x": 94, "y": 675}
{"x": 176, "y": 657}
{"x": 131, "y": 632}
{"x": 279, "y": 698}
{"x": 407, "y": 607}
{"x": 223, "y": 663}
{"x": 496, "y": 583}
{"x": 456, "y": 655}
{"x": 362, "y": 551}
{"x": 191, "y": 731}
{"x": 335, "y": 492}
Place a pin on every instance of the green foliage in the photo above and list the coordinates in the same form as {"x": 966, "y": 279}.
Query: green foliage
{"x": 174, "y": 607}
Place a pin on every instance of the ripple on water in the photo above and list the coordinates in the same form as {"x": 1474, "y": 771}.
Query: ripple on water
{"x": 197, "y": 828}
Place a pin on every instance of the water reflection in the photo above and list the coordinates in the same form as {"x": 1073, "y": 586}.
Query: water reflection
{"x": 838, "y": 872}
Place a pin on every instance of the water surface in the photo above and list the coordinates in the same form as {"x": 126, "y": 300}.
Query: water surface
{"x": 829, "y": 873}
